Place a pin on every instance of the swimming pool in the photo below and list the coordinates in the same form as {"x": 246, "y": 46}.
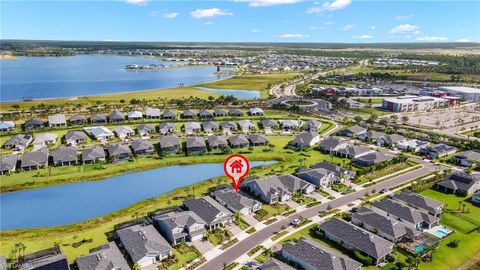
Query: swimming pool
{"x": 441, "y": 233}
{"x": 420, "y": 249}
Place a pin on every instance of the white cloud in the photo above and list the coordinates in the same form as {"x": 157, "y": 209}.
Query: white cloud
{"x": 255, "y": 30}
{"x": 329, "y": 6}
{"x": 464, "y": 40}
{"x": 137, "y": 2}
{"x": 208, "y": 23}
{"x": 347, "y": 27}
{"x": 266, "y": 3}
{"x": 373, "y": 27}
{"x": 208, "y": 13}
{"x": 170, "y": 15}
{"x": 431, "y": 38}
{"x": 293, "y": 35}
{"x": 405, "y": 29}
{"x": 404, "y": 17}
{"x": 363, "y": 36}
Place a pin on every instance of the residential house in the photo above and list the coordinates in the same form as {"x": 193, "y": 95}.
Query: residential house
{"x": 288, "y": 125}
{"x": 145, "y": 130}
{"x": 409, "y": 216}
{"x": 116, "y": 116}
{"x": 372, "y": 159}
{"x": 274, "y": 264}
{"x": 142, "y": 147}
{"x": 268, "y": 125}
{"x": 135, "y": 115}
{"x": 195, "y": 145}
{"x": 93, "y": 155}
{"x": 386, "y": 227}
{"x": 6, "y": 126}
{"x": 118, "y": 152}
{"x": 339, "y": 171}
{"x": 166, "y": 128}
{"x": 246, "y": 125}
{"x": 390, "y": 140}
{"x": 35, "y": 160}
{"x": 18, "y": 142}
{"x": 353, "y": 237}
{"x": 354, "y": 131}
{"x": 235, "y": 201}
{"x": 47, "y": 259}
{"x": 170, "y": 144}
{"x": 189, "y": 114}
{"x": 124, "y": 132}
{"x": 144, "y": 244}
{"x": 228, "y": 126}
{"x": 98, "y": 119}
{"x": 220, "y": 113}
{"x": 255, "y": 111}
{"x": 238, "y": 140}
{"x": 33, "y": 124}
{"x": 169, "y": 115}
{"x": 209, "y": 126}
{"x": 8, "y": 164}
{"x": 192, "y": 127}
{"x": 332, "y": 145}
{"x": 215, "y": 142}
{"x": 438, "y": 150}
{"x": 213, "y": 213}
{"x": 100, "y": 133}
{"x": 74, "y": 137}
{"x": 106, "y": 256}
{"x": 257, "y": 140}
{"x": 354, "y": 151}
{"x": 304, "y": 140}
{"x": 78, "y": 120}
{"x": 178, "y": 226}
{"x": 310, "y": 255}
{"x": 419, "y": 202}
{"x": 152, "y": 113}
{"x": 57, "y": 120}
{"x": 312, "y": 126}
{"x": 459, "y": 181}
{"x": 205, "y": 114}
{"x": 319, "y": 177}
{"x": 235, "y": 112}
{"x": 476, "y": 197}
{"x": 467, "y": 158}
{"x": 277, "y": 188}
{"x": 64, "y": 155}
{"x": 44, "y": 139}
{"x": 371, "y": 136}
{"x": 413, "y": 145}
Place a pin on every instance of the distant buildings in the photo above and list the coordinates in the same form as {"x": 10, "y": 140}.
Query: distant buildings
{"x": 469, "y": 94}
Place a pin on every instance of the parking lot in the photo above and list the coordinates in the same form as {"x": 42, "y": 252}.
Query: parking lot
{"x": 443, "y": 119}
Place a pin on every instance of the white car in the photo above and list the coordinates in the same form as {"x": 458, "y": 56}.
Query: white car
{"x": 295, "y": 222}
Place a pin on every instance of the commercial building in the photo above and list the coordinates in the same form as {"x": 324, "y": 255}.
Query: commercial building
{"x": 414, "y": 103}
{"x": 466, "y": 93}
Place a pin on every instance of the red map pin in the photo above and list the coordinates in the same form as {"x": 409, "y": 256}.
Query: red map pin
{"x": 236, "y": 167}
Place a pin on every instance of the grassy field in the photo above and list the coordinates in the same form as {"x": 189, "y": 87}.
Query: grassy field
{"x": 252, "y": 82}
{"x": 373, "y": 101}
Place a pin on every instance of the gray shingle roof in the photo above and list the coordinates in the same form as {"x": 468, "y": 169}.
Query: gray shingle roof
{"x": 105, "y": 257}
{"x": 471, "y": 155}
{"x": 237, "y": 140}
{"x": 209, "y": 125}
{"x": 354, "y": 150}
{"x": 268, "y": 123}
{"x": 318, "y": 256}
{"x": 78, "y": 118}
{"x": 169, "y": 114}
{"x": 257, "y": 139}
{"x": 93, "y": 153}
{"x": 8, "y": 162}
{"x": 404, "y": 212}
{"x": 166, "y": 126}
{"x": 207, "y": 208}
{"x": 195, "y": 142}
{"x": 419, "y": 201}
{"x": 118, "y": 149}
{"x": 356, "y": 129}
{"x": 140, "y": 145}
{"x": 217, "y": 141}
{"x": 178, "y": 219}
{"x": 98, "y": 118}
{"x": 331, "y": 143}
{"x": 35, "y": 158}
{"x": 459, "y": 180}
{"x": 57, "y": 119}
{"x": 75, "y": 135}
{"x": 189, "y": 113}
{"x": 169, "y": 141}
{"x": 339, "y": 171}
{"x": 44, "y": 259}
{"x": 375, "y": 157}
{"x": 312, "y": 125}
{"x": 116, "y": 115}
{"x": 34, "y": 122}
{"x": 18, "y": 139}
{"x": 233, "y": 199}
{"x": 228, "y": 125}
{"x": 145, "y": 129}
{"x": 384, "y": 224}
{"x": 274, "y": 264}
{"x": 64, "y": 154}
{"x": 303, "y": 139}
{"x": 152, "y": 112}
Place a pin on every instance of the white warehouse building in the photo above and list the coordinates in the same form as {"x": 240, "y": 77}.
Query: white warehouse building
{"x": 466, "y": 93}
{"x": 413, "y": 103}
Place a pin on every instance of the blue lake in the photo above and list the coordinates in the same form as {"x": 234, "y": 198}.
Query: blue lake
{"x": 82, "y": 75}
{"x": 240, "y": 94}
{"x": 70, "y": 203}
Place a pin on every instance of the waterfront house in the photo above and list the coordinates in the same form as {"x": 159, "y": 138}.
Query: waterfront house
{"x": 235, "y": 201}
{"x": 205, "y": 114}
{"x": 93, "y": 155}
{"x": 215, "y": 142}
{"x": 169, "y": 115}
{"x": 135, "y": 115}
{"x": 319, "y": 177}
{"x": 237, "y": 141}
{"x": 170, "y": 144}
{"x": 209, "y": 126}
{"x": 8, "y": 164}
{"x": 390, "y": 140}
{"x": 467, "y": 158}
{"x": 189, "y": 114}
{"x": 142, "y": 147}
{"x": 310, "y": 255}
{"x": 165, "y": 128}
{"x": 354, "y": 151}
{"x": 118, "y": 152}
{"x": 312, "y": 126}
{"x": 195, "y": 145}
{"x": 353, "y": 237}
{"x": 412, "y": 145}
{"x": 288, "y": 125}
{"x": 304, "y": 140}
{"x": 354, "y": 131}
{"x": 57, "y": 120}
{"x": 47, "y": 259}
{"x": 246, "y": 126}
{"x": 339, "y": 171}
{"x": 6, "y": 126}
{"x": 106, "y": 256}
{"x": 220, "y": 113}
{"x": 371, "y": 136}
{"x": 459, "y": 182}
{"x": 178, "y": 226}
{"x": 332, "y": 145}
{"x": 74, "y": 137}
{"x": 213, "y": 213}
{"x": 44, "y": 139}
{"x": 64, "y": 155}
{"x": 18, "y": 142}
{"x": 192, "y": 127}
{"x": 98, "y": 119}
{"x": 152, "y": 113}
{"x": 438, "y": 151}
{"x": 116, "y": 116}
{"x": 228, "y": 126}
{"x": 255, "y": 111}
{"x": 100, "y": 133}
{"x": 124, "y": 132}
{"x": 144, "y": 244}
{"x": 372, "y": 159}
{"x": 277, "y": 188}
{"x": 419, "y": 202}
{"x": 386, "y": 227}
{"x": 33, "y": 124}
{"x": 145, "y": 130}
{"x": 274, "y": 264}
{"x": 35, "y": 160}
{"x": 235, "y": 112}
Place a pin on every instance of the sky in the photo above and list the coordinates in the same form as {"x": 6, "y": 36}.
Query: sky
{"x": 350, "y": 21}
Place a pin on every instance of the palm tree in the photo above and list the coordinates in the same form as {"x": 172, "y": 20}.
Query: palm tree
{"x": 136, "y": 266}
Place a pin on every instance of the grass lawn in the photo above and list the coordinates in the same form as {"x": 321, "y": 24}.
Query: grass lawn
{"x": 446, "y": 258}
{"x": 373, "y": 101}
{"x": 278, "y": 235}
{"x": 383, "y": 172}
{"x": 241, "y": 223}
{"x": 264, "y": 256}
{"x": 217, "y": 236}
{"x": 301, "y": 199}
{"x": 183, "y": 255}
{"x": 326, "y": 126}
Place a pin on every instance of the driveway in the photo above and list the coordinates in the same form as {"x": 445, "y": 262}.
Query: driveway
{"x": 234, "y": 229}
{"x": 203, "y": 246}
{"x": 316, "y": 196}
{"x": 292, "y": 204}
{"x": 250, "y": 220}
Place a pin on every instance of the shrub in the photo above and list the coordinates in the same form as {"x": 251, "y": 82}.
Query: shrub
{"x": 453, "y": 243}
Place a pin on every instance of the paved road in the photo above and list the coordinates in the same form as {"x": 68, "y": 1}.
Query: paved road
{"x": 257, "y": 238}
